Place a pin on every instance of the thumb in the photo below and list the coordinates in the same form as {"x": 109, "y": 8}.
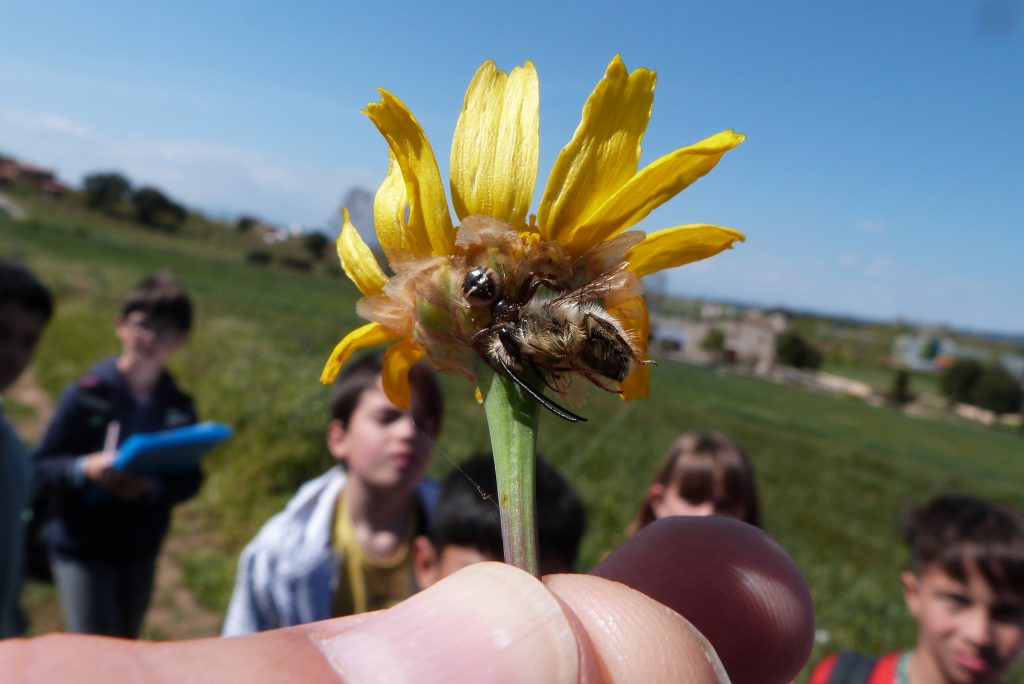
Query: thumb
{"x": 493, "y": 622}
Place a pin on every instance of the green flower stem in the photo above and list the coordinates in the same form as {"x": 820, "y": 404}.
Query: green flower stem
{"x": 512, "y": 417}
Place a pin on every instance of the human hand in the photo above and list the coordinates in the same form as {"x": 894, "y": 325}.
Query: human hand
{"x": 98, "y": 464}
{"x": 125, "y": 486}
{"x": 491, "y": 622}
{"x": 98, "y": 468}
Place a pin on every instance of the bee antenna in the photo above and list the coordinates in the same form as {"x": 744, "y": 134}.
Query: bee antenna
{"x": 563, "y": 413}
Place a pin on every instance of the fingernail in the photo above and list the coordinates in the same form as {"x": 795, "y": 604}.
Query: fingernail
{"x": 489, "y": 622}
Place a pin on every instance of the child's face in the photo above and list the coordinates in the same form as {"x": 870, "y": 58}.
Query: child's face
{"x": 967, "y": 633}
{"x": 667, "y": 500}
{"x": 148, "y": 340}
{"x": 382, "y": 444}
{"x": 20, "y": 330}
{"x": 431, "y": 567}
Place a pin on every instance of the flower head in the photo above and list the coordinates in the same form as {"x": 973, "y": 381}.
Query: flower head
{"x": 576, "y": 254}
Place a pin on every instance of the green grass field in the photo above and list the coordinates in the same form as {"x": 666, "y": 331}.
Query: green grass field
{"x": 834, "y": 473}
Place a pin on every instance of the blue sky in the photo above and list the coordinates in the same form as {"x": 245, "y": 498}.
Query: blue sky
{"x": 882, "y": 174}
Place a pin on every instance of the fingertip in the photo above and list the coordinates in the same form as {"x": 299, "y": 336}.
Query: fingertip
{"x": 735, "y": 583}
{"x": 629, "y": 637}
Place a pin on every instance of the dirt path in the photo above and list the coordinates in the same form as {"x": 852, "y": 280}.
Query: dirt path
{"x": 174, "y": 612}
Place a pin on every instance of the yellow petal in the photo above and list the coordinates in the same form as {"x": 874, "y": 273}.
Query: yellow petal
{"x": 680, "y": 245}
{"x": 634, "y": 318}
{"x": 389, "y": 207}
{"x": 365, "y": 336}
{"x": 496, "y": 145}
{"x": 603, "y": 153}
{"x": 654, "y": 185}
{"x": 429, "y": 220}
{"x": 398, "y": 359}
{"x": 357, "y": 259}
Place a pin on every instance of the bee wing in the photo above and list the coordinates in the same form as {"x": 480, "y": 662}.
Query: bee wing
{"x": 607, "y": 256}
{"x": 611, "y": 288}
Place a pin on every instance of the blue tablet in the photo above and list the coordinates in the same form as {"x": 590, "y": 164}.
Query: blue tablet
{"x": 170, "y": 451}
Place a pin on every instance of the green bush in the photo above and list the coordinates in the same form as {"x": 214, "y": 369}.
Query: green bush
{"x": 791, "y": 349}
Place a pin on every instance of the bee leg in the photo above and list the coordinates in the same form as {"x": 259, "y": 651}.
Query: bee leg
{"x": 598, "y": 380}
{"x": 593, "y": 377}
{"x": 536, "y": 280}
{"x": 563, "y": 413}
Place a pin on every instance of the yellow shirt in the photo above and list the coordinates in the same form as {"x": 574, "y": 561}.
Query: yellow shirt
{"x": 367, "y": 583}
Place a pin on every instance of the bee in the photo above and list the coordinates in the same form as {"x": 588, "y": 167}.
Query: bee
{"x": 555, "y": 336}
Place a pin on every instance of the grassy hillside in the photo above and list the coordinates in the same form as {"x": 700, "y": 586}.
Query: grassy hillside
{"x": 834, "y": 473}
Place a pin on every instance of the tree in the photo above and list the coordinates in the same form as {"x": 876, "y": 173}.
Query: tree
{"x": 106, "y": 190}
{"x": 930, "y": 349}
{"x": 153, "y": 208}
{"x": 315, "y": 243}
{"x": 245, "y": 223}
{"x": 791, "y": 349}
{"x": 900, "y": 392}
{"x": 714, "y": 341}
{"x": 359, "y": 203}
{"x": 997, "y": 390}
{"x": 959, "y": 379}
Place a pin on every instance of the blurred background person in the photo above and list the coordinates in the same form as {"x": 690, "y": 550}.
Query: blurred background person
{"x": 466, "y": 527}
{"x": 703, "y": 473}
{"x": 108, "y": 525}
{"x": 25, "y": 309}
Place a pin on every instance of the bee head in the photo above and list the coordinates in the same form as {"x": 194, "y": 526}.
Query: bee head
{"x": 481, "y": 287}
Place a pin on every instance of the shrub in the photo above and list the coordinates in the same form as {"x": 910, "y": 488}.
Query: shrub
{"x": 259, "y": 257}
{"x": 297, "y": 263}
{"x": 997, "y": 390}
{"x": 791, "y": 349}
{"x": 153, "y": 208}
{"x": 105, "y": 190}
{"x": 714, "y": 341}
{"x": 960, "y": 378}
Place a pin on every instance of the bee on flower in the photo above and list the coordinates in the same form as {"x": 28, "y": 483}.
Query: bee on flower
{"x": 548, "y": 300}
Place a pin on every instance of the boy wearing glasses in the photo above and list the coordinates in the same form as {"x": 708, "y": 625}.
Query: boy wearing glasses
{"x": 107, "y": 526}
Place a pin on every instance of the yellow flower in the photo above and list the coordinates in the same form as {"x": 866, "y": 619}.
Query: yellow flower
{"x": 594, "y": 193}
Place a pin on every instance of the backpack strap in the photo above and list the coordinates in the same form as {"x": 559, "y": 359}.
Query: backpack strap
{"x": 845, "y": 667}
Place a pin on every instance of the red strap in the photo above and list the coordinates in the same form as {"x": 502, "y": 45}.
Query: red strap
{"x": 823, "y": 670}
{"x": 885, "y": 670}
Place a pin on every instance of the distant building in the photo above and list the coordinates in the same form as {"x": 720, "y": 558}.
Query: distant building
{"x": 13, "y": 171}
{"x": 925, "y": 352}
{"x": 749, "y": 336}
{"x": 930, "y": 353}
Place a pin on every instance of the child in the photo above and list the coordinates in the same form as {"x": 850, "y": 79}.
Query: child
{"x": 466, "y": 528}
{"x": 965, "y": 589}
{"x": 108, "y": 526}
{"x": 342, "y": 544}
{"x": 25, "y": 308}
{"x": 703, "y": 473}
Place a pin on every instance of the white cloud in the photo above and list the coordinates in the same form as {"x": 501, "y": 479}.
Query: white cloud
{"x": 248, "y": 163}
{"x": 53, "y": 124}
{"x": 201, "y": 174}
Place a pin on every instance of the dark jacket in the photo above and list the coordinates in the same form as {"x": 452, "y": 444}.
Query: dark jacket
{"x": 88, "y": 522}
